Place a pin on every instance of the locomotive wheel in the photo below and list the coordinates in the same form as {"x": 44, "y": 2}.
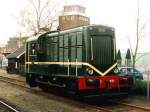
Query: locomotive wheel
{"x": 67, "y": 91}
{"x": 125, "y": 96}
{"x": 43, "y": 87}
{"x": 30, "y": 79}
{"x": 70, "y": 90}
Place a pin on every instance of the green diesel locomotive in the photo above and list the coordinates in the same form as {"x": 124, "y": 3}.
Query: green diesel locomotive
{"x": 81, "y": 60}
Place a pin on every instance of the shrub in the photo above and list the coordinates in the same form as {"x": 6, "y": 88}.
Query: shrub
{"x": 139, "y": 87}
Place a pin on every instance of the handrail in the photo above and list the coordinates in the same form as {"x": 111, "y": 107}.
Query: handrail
{"x": 91, "y": 49}
{"x": 77, "y": 63}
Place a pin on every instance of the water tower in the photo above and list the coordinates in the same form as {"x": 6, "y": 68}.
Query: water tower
{"x": 73, "y": 16}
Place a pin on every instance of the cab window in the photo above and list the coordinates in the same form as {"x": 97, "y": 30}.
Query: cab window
{"x": 33, "y": 49}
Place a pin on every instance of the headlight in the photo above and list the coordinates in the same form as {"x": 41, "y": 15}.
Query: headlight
{"x": 112, "y": 81}
{"x": 90, "y": 71}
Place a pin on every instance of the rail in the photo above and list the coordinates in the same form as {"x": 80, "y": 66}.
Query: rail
{"x": 8, "y": 106}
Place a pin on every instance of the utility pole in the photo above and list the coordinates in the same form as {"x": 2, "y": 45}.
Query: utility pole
{"x": 148, "y": 85}
{"x": 19, "y": 40}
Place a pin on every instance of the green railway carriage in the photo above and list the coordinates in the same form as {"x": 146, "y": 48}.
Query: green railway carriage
{"x": 80, "y": 59}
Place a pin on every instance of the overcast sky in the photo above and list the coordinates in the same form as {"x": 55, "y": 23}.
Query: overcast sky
{"x": 120, "y": 14}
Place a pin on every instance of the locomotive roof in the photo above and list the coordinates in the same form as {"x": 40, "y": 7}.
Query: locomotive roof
{"x": 33, "y": 38}
{"x": 52, "y": 33}
{"x": 65, "y": 31}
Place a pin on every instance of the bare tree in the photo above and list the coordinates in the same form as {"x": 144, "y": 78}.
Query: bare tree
{"x": 138, "y": 35}
{"x": 39, "y": 10}
{"x": 43, "y": 15}
{"x": 38, "y": 15}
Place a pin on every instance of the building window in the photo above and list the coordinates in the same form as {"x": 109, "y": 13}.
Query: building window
{"x": 63, "y": 18}
{"x": 72, "y": 17}
{"x": 67, "y": 18}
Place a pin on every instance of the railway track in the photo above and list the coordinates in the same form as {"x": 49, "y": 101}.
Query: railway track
{"x": 5, "y": 107}
{"x": 99, "y": 108}
{"x": 134, "y": 107}
{"x": 37, "y": 91}
{"x": 118, "y": 106}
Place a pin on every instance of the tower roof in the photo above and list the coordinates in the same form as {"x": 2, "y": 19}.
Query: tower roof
{"x": 74, "y": 10}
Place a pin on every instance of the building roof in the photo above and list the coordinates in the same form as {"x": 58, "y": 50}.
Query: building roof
{"x": 74, "y": 9}
{"x": 16, "y": 54}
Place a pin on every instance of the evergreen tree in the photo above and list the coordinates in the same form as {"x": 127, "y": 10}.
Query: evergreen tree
{"x": 119, "y": 59}
{"x": 128, "y": 58}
